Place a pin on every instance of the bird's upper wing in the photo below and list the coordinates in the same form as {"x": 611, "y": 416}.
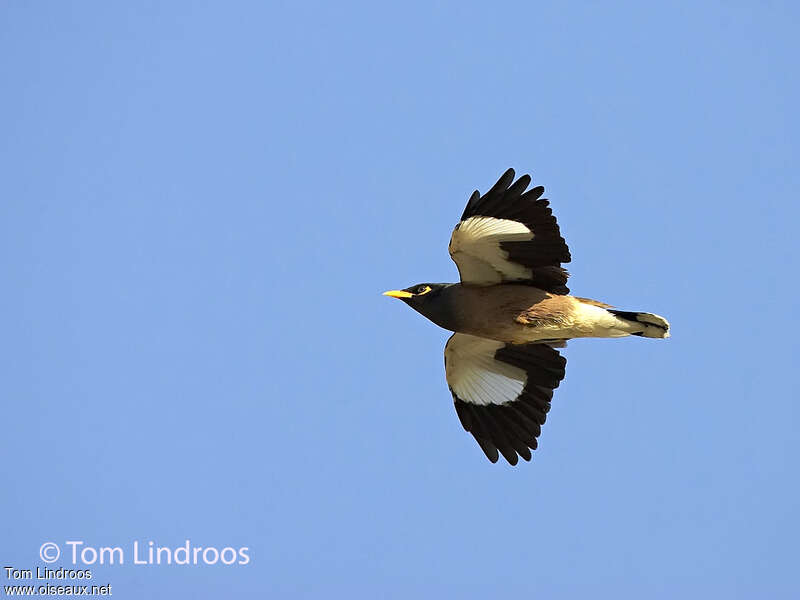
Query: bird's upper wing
{"x": 502, "y": 392}
{"x": 510, "y": 234}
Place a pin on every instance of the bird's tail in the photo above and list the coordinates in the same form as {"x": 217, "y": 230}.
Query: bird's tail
{"x": 643, "y": 324}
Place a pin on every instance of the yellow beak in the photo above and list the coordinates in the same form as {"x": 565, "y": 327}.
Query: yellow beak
{"x": 398, "y": 294}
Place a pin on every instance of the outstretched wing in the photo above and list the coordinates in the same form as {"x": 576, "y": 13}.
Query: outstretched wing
{"x": 510, "y": 235}
{"x": 502, "y": 392}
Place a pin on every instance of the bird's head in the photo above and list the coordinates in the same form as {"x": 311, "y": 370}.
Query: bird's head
{"x": 418, "y": 294}
{"x": 425, "y": 298}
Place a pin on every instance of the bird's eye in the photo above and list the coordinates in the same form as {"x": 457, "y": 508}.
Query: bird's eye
{"x": 423, "y": 289}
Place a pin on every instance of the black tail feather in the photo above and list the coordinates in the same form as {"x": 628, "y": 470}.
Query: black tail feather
{"x": 653, "y": 326}
{"x": 625, "y": 314}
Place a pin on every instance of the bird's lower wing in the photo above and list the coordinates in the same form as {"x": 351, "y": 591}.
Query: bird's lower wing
{"x": 502, "y": 392}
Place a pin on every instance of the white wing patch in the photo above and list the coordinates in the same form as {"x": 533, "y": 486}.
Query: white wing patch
{"x": 475, "y": 376}
{"x": 475, "y": 247}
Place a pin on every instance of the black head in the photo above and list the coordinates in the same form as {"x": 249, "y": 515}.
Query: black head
{"x": 419, "y": 293}
{"x": 425, "y": 298}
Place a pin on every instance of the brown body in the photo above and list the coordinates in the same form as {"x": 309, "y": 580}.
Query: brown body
{"x": 521, "y": 313}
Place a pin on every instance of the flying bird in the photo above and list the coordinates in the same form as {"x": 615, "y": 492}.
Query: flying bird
{"x": 510, "y": 312}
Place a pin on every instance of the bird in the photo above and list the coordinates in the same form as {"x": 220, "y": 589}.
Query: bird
{"x": 510, "y": 314}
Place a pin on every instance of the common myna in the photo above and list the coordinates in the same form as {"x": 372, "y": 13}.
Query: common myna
{"x": 509, "y": 313}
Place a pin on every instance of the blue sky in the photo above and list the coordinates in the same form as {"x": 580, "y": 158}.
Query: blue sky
{"x": 202, "y": 202}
